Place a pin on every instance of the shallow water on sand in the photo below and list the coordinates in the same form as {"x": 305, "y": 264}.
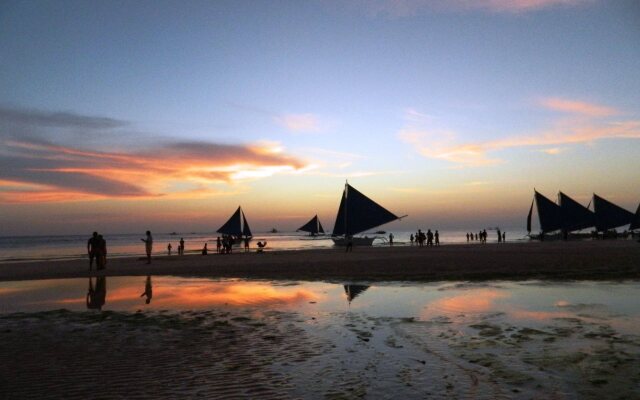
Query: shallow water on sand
{"x": 324, "y": 340}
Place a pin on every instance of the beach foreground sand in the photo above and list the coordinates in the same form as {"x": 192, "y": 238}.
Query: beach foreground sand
{"x": 598, "y": 260}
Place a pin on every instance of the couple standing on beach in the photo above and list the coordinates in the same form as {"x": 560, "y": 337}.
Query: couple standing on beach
{"x": 97, "y": 248}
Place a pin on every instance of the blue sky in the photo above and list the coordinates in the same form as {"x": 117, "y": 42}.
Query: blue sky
{"x": 435, "y": 107}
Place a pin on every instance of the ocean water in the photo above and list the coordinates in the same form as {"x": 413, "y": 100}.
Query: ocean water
{"x": 61, "y": 247}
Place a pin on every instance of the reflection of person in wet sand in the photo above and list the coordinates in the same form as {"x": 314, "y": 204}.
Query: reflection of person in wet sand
{"x": 97, "y": 296}
{"x": 148, "y": 290}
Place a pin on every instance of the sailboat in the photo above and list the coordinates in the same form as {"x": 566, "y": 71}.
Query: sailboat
{"x": 237, "y": 226}
{"x": 314, "y": 227}
{"x": 609, "y": 215}
{"x": 356, "y": 214}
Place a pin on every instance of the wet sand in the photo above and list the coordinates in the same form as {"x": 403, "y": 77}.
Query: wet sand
{"x": 594, "y": 260}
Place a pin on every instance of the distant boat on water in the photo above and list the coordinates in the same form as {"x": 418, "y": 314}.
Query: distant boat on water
{"x": 356, "y": 214}
{"x": 237, "y": 226}
{"x": 273, "y": 230}
{"x": 313, "y": 227}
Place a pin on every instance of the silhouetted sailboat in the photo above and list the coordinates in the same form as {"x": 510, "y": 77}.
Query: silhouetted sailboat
{"x": 314, "y": 227}
{"x": 609, "y": 215}
{"x": 636, "y": 220}
{"x": 356, "y": 214}
{"x": 237, "y": 226}
{"x": 548, "y": 214}
{"x": 574, "y": 216}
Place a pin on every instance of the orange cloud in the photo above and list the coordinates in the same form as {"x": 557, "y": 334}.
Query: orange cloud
{"x": 44, "y": 172}
{"x": 445, "y": 145}
{"x": 577, "y": 107}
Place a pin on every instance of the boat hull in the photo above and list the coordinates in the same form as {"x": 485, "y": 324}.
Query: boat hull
{"x": 357, "y": 241}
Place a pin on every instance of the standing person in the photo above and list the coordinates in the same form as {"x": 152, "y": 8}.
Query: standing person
{"x": 411, "y": 239}
{"x": 148, "y": 246}
{"x": 246, "y": 244}
{"x": 92, "y": 248}
{"x": 499, "y": 236}
{"x": 429, "y": 237}
{"x": 205, "y": 251}
{"x": 218, "y": 245}
{"x": 467, "y": 237}
{"x": 169, "y": 249}
{"x": 484, "y": 236}
{"x": 101, "y": 253}
{"x": 437, "y": 236}
{"x": 181, "y": 247}
{"x": 391, "y": 239}
{"x": 504, "y": 237}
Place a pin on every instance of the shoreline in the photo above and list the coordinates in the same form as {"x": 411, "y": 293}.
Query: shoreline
{"x": 580, "y": 260}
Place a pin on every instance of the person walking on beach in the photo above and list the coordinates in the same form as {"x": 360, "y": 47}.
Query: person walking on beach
{"x": 205, "y": 251}
{"x": 467, "y": 237}
{"x": 499, "y": 236}
{"x": 504, "y": 237}
{"x": 148, "y": 246}
{"x": 437, "y": 237}
{"x": 181, "y": 247}
{"x": 429, "y": 237}
{"x": 391, "y": 239}
{"x": 169, "y": 247}
{"x": 92, "y": 248}
{"x": 411, "y": 239}
{"x": 218, "y": 245}
{"x": 246, "y": 244}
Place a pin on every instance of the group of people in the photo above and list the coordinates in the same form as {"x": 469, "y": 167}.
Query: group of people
{"x": 97, "y": 249}
{"x": 482, "y": 236}
{"x": 180, "y": 247}
{"x": 431, "y": 238}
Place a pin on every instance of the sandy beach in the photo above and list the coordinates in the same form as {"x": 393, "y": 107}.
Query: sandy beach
{"x": 597, "y": 260}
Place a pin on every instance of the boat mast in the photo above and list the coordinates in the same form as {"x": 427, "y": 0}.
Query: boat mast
{"x": 346, "y": 198}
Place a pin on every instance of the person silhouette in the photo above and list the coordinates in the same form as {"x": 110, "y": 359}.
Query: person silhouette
{"x": 429, "y": 237}
{"x": 101, "y": 253}
{"x": 246, "y": 244}
{"x": 437, "y": 237}
{"x": 148, "y": 246}
{"x": 504, "y": 237}
{"x": 92, "y": 248}
{"x": 411, "y": 239}
{"x": 181, "y": 247}
{"x": 169, "y": 247}
{"x": 261, "y": 246}
{"x": 205, "y": 251}
{"x": 148, "y": 290}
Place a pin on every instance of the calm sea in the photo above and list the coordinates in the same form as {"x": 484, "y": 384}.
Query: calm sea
{"x": 29, "y": 248}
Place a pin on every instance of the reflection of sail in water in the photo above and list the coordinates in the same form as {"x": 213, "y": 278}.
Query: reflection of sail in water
{"x": 148, "y": 290}
{"x": 96, "y": 296}
{"x": 353, "y": 291}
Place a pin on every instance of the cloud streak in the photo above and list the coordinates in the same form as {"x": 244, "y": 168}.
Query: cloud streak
{"x": 35, "y": 169}
{"x": 299, "y": 122}
{"x": 446, "y": 145}
{"x": 409, "y": 8}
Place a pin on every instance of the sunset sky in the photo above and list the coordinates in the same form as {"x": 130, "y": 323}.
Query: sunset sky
{"x": 123, "y": 116}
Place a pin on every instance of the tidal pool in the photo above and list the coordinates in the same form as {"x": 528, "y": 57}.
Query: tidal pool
{"x": 328, "y": 340}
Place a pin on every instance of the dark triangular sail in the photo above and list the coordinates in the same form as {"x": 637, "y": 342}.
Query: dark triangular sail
{"x": 636, "y": 220}
{"x": 609, "y": 215}
{"x": 574, "y": 215}
{"x": 358, "y": 213}
{"x": 548, "y": 213}
{"x": 246, "y": 231}
{"x": 314, "y": 226}
{"x": 234, "y": 225}
{"x": 354, "y": 290}
{"x": 529, "y": 217}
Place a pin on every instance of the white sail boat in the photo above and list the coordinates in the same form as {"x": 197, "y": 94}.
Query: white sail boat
{"x": 356, "y": 214}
